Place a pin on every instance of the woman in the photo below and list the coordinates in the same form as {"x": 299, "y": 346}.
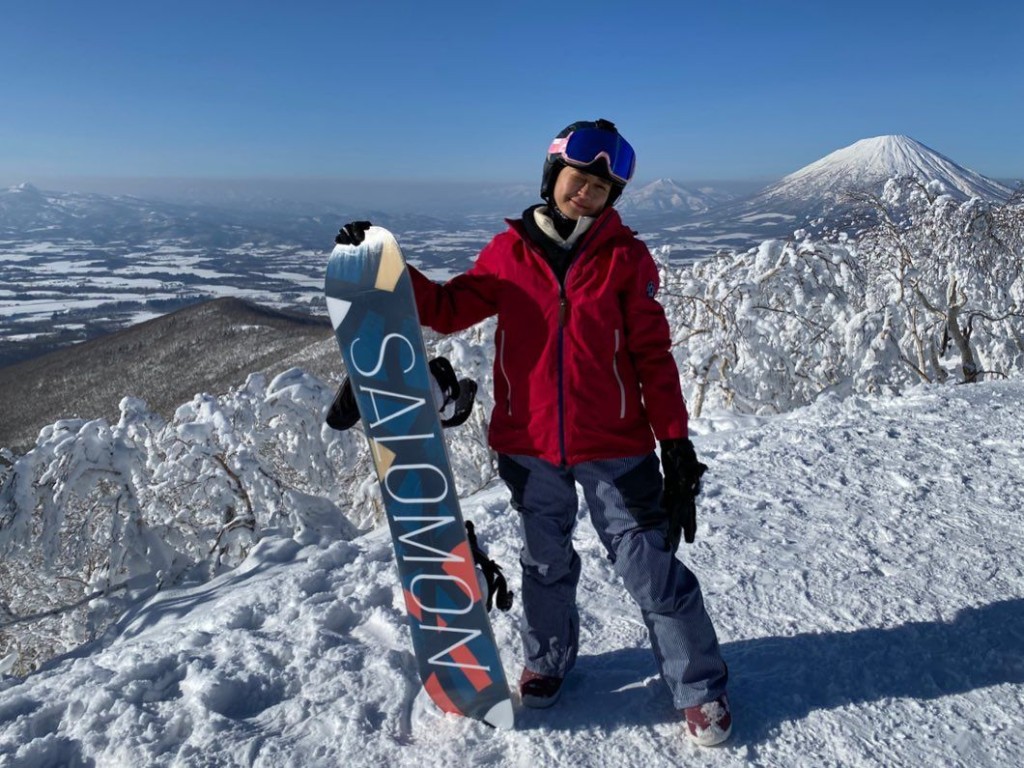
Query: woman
{"x": 584, "y": 384}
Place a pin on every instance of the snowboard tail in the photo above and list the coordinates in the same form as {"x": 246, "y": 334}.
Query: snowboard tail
{"x": 373, "y": 311}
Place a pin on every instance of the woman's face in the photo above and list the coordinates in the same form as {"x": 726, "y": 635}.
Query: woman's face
{"x": 580, "y": 194}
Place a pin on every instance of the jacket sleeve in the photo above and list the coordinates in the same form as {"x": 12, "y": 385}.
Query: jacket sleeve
{"x": 649, "y": 341}
{"x": 461, "y": 302}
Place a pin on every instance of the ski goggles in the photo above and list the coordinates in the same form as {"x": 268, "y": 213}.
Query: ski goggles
{"x": 586, "y": 145}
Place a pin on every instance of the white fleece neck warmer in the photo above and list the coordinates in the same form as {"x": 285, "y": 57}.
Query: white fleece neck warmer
{"x": 543, "y": 218}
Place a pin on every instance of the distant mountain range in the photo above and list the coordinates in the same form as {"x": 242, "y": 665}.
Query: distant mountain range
{"x": 814, "y": 191}
{"x": 27, "y": 212}
{"x": 817, "y": 196}
{"x": 668, "y": 196}
{"x": 76, "y": 265}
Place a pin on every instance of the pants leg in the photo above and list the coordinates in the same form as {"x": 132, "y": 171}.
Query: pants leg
{"x": 545, "y": 497}
{"x": 624, "y": 496}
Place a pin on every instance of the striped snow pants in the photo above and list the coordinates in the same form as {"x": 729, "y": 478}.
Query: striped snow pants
{"x": 624, "y": 498}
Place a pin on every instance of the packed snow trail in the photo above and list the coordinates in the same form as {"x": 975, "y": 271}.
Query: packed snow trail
{"x": 860, "y": 559}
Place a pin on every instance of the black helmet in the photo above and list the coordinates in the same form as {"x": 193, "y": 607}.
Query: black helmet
{"x": 595, "y": 147}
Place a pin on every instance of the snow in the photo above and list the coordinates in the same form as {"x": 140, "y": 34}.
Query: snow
{"x": 859, "y": 556}
{"x": 858, "y": 545}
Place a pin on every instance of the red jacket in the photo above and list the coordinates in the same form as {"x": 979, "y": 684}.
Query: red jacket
{"x": 580, "y": 374}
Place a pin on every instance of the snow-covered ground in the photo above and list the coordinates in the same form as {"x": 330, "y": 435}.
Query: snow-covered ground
{"x": 861, "y": 560}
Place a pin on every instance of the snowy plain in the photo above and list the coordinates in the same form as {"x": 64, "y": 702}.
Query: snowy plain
{"x": 860, "y": 558}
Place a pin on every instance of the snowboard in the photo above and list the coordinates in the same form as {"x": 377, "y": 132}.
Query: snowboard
{"x": 373, "y": 311}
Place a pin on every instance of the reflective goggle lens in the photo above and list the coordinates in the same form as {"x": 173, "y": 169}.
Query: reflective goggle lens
{"x": 584, "y": 146}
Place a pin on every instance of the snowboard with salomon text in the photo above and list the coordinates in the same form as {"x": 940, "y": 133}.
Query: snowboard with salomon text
{"x": 373, "y": 311}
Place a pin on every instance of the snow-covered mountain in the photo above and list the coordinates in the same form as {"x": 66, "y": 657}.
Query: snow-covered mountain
{"x": 821, "y": 190}
{"x": 866, "y": 165}
{"x": 667, "y": 196}
{"x": 818, "y": 196}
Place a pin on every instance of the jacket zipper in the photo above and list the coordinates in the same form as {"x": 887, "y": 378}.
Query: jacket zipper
{"x": 563, "y": 313}
{"x": 563, "y": 317}
{"x": 618, "y": 378}
{"x": 508, "y": 381}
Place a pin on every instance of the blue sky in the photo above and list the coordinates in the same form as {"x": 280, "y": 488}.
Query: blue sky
{"x": 474, "y": 91}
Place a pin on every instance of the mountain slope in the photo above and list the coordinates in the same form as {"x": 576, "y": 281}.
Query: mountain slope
{"x": 207, "y": 347}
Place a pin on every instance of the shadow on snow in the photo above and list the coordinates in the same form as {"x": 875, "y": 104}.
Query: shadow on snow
{"x": 775, "y": 680}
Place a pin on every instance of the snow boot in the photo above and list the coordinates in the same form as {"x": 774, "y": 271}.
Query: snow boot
{"x": 709, "y": 724}
{"x": 539, "y": 691}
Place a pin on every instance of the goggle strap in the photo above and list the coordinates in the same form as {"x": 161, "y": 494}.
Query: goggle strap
{"x": 558, "y": 146}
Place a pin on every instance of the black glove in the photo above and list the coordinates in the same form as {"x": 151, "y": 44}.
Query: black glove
{"x": 455, "y": 412}
{"x": 454, "y": 398}
{"x": 352, "y": 233}
{"x": 682, "y": 484}
{"x": 343, "y": 413}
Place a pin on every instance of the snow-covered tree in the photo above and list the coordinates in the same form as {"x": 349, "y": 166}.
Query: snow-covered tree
{"x": 97, "y": 510}
{"x": 935, "y": 289}
{"x": 94, "y": 508}
{"x": 956, "y": 273}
